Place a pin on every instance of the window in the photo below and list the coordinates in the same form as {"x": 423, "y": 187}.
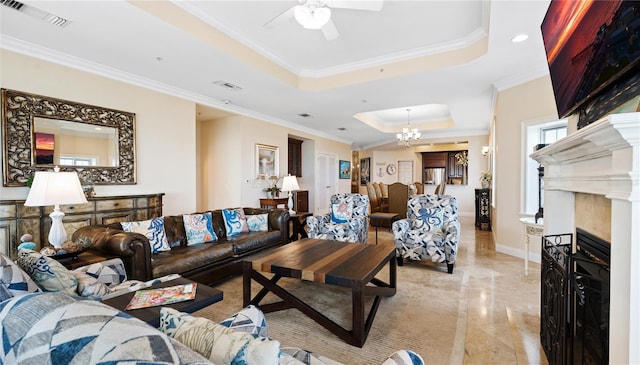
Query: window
{"x": 77, "y": 161}
{"x": 536, "y": 133}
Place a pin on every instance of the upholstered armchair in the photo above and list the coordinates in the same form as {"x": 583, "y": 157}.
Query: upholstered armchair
{"x": 347, "y": 221}
{"x": 430, "y": 232}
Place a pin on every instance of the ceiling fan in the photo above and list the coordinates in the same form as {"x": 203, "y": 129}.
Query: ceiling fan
{"x": 316, "y": 14}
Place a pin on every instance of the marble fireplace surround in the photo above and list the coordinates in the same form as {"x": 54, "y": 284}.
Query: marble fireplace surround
{"x": 603, "y": 158}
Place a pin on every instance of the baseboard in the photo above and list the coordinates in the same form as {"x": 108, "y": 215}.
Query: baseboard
{"x": 519, "y": 253}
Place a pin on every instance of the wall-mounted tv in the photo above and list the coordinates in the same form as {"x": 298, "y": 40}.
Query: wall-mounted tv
{"x": 591, "y": 46}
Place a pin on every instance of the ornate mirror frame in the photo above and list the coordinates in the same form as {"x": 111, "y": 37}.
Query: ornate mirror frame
{"x": 19, "y": 109}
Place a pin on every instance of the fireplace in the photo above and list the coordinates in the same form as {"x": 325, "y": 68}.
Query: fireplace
{"x": 589, "y": 300}
{"x": 600, "y": 159}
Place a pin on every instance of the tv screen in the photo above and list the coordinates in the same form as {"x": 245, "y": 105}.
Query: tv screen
{"x": 591, "y": 46}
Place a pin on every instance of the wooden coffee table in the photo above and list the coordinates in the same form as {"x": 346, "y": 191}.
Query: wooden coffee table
{"x": 205, "y": 296}
{"x": 351, "y": 265}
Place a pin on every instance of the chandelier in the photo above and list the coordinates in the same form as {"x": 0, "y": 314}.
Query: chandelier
{"x": 408, "y": 134}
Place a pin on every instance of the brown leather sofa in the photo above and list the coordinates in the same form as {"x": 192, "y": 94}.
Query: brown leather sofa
{"x": 204, "y": 263}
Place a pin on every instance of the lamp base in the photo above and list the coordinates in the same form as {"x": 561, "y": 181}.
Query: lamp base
{"x": 290, "y": 204}
{"x": 57, "y": 234}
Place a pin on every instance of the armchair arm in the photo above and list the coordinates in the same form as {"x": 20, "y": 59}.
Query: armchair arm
{"x": 451, "y": 232}
{"x": 315, "y": 222}
{"x": 360, "y": 225}
{"x": 133, "y": 248}
{"x": 400, "y": 229}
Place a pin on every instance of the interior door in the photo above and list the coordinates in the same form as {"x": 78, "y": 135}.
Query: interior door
{"x": 405, "y": 172}
{"x": 326, "y": 181}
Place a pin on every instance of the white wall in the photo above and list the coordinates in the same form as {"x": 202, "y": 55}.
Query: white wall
{"x": 165, "y": 126}
{"x": 228, "y": 160}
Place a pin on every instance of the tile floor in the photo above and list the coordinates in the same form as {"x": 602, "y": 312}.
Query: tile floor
{"x": 499, "y": 315}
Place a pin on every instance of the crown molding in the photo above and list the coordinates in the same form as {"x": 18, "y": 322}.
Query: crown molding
{"x": 521, "y": 78}
{"x": 63, "y": 59}
{"x": 427, "y": 136}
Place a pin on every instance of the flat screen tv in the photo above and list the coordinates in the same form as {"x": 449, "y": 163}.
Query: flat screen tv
{"x": 591, "y": 46}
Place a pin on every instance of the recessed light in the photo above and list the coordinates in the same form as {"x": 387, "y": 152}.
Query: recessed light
{"x": 519, "y": 38}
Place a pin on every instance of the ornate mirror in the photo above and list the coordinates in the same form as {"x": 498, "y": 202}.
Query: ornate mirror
{"x": 40, "y": 132}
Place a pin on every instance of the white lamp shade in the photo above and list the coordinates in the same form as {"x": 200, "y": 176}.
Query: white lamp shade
{"x": 55, "y": 188}
{"x": 289, "y": 183}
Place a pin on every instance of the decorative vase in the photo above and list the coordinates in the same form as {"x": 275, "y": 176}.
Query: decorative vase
{"x": 485, "y": 184}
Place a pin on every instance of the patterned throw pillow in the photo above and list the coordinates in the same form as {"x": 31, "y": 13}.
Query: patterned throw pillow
{"x": 258, "y": 222}
{"x": 341, "y": 212}
{"x": 48, "y": 273}
{"x": 250, "y": 319}
{"x": 404, "y": 357}
{"x": 235, "y": 221}
{"x": 13, "y": 281}
{"x": 219, "y": 344}
{"x": 90, "y": 287}
{"x": 109, "y": 272}
{"x": 429, "y": 219}
{"x": 199, "y": 228}
{"x": 153, "y": 229}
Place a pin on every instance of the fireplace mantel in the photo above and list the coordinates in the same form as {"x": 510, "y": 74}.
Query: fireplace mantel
{"x": 603, "y": 158}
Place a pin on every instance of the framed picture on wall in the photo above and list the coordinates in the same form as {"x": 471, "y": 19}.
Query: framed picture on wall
{"x": 345, "y": 169}
{"x": 266, "y": 161}
{"x": 365, "y": 170}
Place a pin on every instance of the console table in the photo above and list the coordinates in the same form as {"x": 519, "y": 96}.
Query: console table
{"x": 531, "y": 229}
{"x": 17, "y": 219}
{"x": 273, "y": 202}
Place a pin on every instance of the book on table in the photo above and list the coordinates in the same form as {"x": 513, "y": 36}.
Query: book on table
{"x": 144, "y": 298}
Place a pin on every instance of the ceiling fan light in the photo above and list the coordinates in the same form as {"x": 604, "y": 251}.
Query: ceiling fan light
{"x": 312, "y": 17}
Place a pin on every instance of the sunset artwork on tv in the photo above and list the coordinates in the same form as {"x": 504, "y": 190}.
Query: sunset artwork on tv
{"x": 590, "y": 45}
{"x": 44, "y": 148}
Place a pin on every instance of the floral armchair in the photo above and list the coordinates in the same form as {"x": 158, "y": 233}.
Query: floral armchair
{"x": 348, "y": 220}
{"x": 430, "y": 232}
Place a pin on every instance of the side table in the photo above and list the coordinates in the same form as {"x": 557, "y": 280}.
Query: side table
{"x": 531, "y": 228}
{"x": 273, "y": 202}
{"x": 385, "y": 217}
{"x": 82, "y": 259}
{"x": 298, "y": 225}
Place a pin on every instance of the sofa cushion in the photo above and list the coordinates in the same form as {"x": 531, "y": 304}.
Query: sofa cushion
{"x": 153, "y": 229}
{"x": 48, "y": 273}
{"x": 55, "y": 328}
{"x": 235, "y": 221}
{"x": 13, "y": 280}
{"x": 198, "y": 228}
{"x": 258, "y": 222}
{"x": 186, "y": 258}
{"x": 248, "y": 242}
{"x": 218, "y": 343}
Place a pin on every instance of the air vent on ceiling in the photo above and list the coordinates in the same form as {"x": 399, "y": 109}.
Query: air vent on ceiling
{"x": 228, "y": 85}
{"x": 35, "y": 12}
{"x": 305, "y": 115}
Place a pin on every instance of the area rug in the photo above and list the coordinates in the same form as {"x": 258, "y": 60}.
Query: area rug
{"x": 423, "y": 316}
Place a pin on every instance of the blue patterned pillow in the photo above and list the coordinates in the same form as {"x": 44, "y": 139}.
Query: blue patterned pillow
{"x": 48, "y": 273}
{"x": 250, "y": 319}
{"x": 430, "y": 219}
{"x": 404, "y": 357}
{"x": 14, "y": 281}
{"x": 258, "y": 222}
{"x": 199, "y": 228}
{"x": 219, "y": 344}
{"x": 341, "y": 212}
{"x": 153, "y": 229}
{"x": 235, "y": 221}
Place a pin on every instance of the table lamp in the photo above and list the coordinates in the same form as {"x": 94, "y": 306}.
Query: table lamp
{"x": 289, "y": 183}
{"x": 55, "y": 188}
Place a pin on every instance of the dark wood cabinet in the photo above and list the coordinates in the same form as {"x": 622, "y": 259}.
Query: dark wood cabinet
{"x": 453, "y": 169}
{"x": 295, "y": 157}
{"x": 483, "y": 209}
{"x": 434, "y": 159}
{"x": 301, "y": 201}
{"x": 17, "y": 219}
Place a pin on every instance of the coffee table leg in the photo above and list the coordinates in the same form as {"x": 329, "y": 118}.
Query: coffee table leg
{"x": 358, "y": 323}
{"x": 246, "y": 283}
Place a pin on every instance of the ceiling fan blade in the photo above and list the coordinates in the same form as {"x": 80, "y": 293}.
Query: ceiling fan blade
{"x": 372, "y": 5}
{"x": 282, "y": 17}
{"x": 330, "y": 31}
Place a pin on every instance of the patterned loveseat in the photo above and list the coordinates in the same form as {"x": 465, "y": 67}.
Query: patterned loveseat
{"x": 430, "y": 232}
{"x": 348, "y": 220}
